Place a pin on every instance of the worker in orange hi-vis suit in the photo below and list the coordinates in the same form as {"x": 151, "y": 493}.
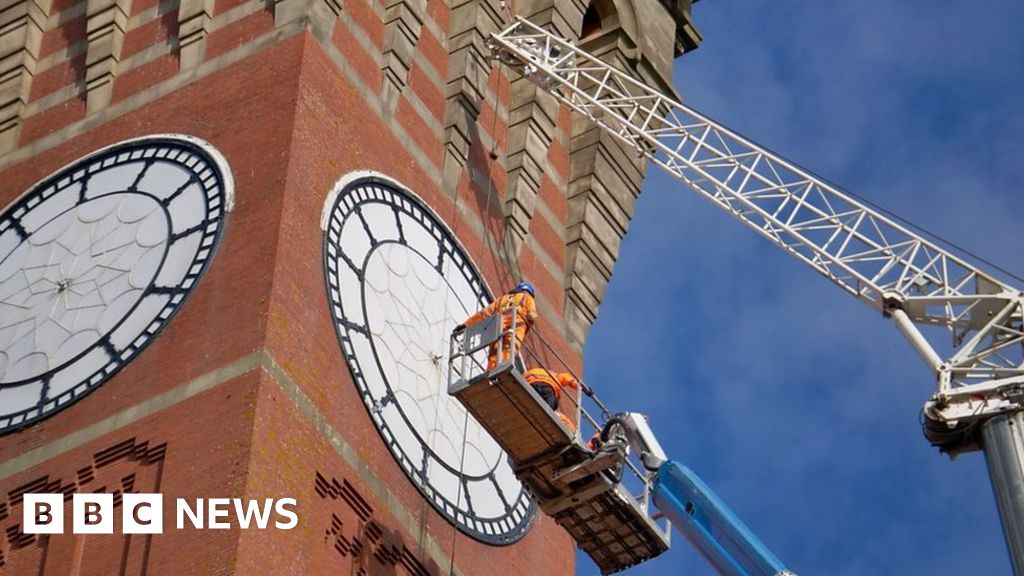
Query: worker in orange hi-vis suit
{"x": 549, "y": 386}
{"x": 521, "y": 298}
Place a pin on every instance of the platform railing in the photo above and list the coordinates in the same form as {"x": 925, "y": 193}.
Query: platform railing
{"x": 489, "y": 347}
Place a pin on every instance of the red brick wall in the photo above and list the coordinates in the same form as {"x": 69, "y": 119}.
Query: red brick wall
{"x": 290, "y": 125}
{"x": 199, "y": 448}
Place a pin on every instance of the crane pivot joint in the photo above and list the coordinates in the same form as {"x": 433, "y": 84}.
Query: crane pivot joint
{"x": 892, "y": 301}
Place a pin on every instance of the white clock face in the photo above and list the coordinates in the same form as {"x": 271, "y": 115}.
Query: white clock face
{"x": 95, "y": 260}
{"x": 398, "y": 284}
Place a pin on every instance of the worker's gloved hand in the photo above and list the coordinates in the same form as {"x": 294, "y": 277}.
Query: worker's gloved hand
{"x": 459, "y": 328}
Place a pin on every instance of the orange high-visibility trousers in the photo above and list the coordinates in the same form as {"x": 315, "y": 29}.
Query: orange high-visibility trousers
{"x": 506, "y": 341}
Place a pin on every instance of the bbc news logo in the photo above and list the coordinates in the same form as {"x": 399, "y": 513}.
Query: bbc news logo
{"x": 144, "y": 513}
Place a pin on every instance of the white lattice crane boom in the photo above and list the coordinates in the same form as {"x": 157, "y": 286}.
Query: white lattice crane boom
{"x": 866, "y": 253}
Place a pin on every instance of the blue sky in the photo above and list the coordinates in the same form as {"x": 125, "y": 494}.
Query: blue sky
{"x": 797, "y": 403}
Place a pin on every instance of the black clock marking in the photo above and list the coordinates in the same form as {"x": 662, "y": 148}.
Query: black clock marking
{"x": 95, "y": 261}
{"x": 397, "y": 282}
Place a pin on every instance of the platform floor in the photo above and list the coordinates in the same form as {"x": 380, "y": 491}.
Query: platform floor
{"x": 571, "y": 483}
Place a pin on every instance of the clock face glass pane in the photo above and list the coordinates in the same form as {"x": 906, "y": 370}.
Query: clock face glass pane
{"x": 398, "y": 283}
{"x": 94, "y": 261}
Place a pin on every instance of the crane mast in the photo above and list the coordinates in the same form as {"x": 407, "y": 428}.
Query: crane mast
{"x": 965, "y": 323}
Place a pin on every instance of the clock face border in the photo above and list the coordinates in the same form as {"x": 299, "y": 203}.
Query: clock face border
{"x": 354, "y": 183}
{"x": 208, "y": 168}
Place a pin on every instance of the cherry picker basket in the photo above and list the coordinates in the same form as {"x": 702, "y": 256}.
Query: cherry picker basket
{"x": 601, "y": 497}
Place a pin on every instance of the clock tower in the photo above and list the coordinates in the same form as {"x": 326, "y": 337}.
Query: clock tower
{"x": 234, "y": 238}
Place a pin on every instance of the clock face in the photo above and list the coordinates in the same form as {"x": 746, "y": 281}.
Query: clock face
{"x": 95, "y": 260}
{"x": 398, "y": 283}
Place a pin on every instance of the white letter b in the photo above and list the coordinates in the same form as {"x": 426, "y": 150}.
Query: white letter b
{"x": 43, "y": 514}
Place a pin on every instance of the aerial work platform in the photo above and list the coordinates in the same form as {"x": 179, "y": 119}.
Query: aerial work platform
{"x": 587, "y": 488}
{"x": 580, "y": 488}
{"x": 513, "y": 414}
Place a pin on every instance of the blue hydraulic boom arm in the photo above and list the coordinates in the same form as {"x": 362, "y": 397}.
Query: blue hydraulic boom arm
{"x": 600, "y": 491}
{"x": 696, "y": 511}
{"x": 710, "y": 526}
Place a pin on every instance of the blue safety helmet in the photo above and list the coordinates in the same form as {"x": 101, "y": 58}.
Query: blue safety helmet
{"x": 525, "y": 287}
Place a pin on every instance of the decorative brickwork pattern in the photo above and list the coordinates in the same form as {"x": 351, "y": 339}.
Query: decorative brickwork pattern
{"x": 129, "y": 466}
{"x": 371, "y": 547}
